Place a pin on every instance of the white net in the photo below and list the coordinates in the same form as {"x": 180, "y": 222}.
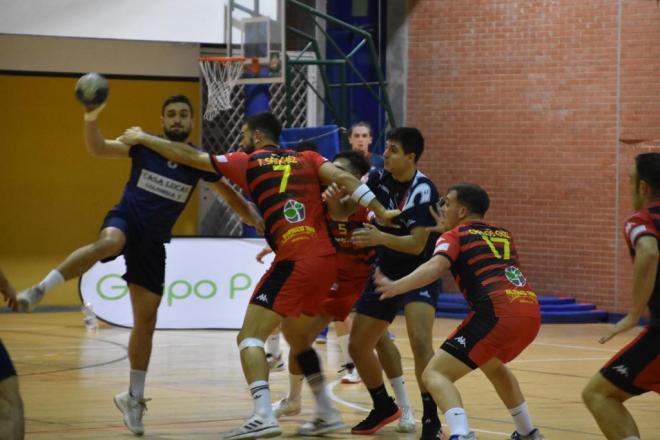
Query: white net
{"x": 220, "y": 75}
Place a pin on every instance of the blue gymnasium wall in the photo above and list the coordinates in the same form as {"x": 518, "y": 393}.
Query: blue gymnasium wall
{"x": 361, "y": 104}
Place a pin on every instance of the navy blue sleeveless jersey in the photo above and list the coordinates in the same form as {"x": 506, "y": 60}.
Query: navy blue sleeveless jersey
{"x": 414, "y": 199}
{"x": 156, "y": 193}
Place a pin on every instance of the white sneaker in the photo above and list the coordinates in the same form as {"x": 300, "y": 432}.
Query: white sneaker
{"x": 255, "y": 427}
{"x": 275, "y": 363}
{"x": 28, "y": 298}
{"x": 351, "y": 376}
{"x": 286, "y": 407}
{"x": 133, "y": 411}
{"x": 322, "y": 424}
{"x": 407, "y": 421}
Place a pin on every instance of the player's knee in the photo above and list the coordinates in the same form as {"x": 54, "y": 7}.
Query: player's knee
{"x": 247, "y": 342}
{"x": 592, "y": 393}
{"x": 429, "y": 375}
{"x": 309, "y": 362}
{"x": 108, "y": 246}
{"x": 355, "y": 348}
{"x": 420, "y": 343}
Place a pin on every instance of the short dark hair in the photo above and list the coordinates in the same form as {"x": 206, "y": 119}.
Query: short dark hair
{"x": 472, "y": 196}
{"x": 364, "y": 124}
{"x": 648, "y": 170}
{"x": 176, "y": 98}
{"x": 305, "y": 146}
{"x": 411, "y": 140}
{"x": 359, "y": 164}
{"x": 267, "y": 123}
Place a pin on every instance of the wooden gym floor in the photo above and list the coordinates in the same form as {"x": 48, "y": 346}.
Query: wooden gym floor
{"x": 68, "y": 378}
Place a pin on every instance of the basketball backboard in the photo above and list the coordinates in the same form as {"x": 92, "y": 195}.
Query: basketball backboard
{"x": 255, "y": 30}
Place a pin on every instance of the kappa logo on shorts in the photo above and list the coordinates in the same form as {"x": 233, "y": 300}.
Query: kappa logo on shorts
{"x": 461, "y": 340}
{"x": 622, "y": 370}
{"x": 425, "y": 294}
{"x": 262, "y": 297}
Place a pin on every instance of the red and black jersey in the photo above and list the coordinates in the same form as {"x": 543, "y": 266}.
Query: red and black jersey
{"x": 286, "y": 188}
{"x": 646, "y": 221}
{"x": 350, "y": 258}
{"x": 485, "y": 265}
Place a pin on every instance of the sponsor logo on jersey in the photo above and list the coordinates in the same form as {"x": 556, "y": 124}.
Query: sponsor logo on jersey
{"x": 163, "y": 186}
{"x": 294, "y": 211}
{"x": 515, "y": 276}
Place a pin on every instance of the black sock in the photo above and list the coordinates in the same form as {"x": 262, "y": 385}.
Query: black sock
{"x": 430, "y": 409}
{"x": 380, "y": 397}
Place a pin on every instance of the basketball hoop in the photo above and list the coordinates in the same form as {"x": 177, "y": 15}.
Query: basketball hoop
{"x": 220, "y": 75}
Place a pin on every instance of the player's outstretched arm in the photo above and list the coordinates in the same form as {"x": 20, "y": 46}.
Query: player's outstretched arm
{"x": 413, "y": 243}
{"x": 96, "y": 144}
{"x": 645, "y": 271}
{"x": 360, "y": 192}
{"x": 246, "y": 210}
{"x": 420, "y": 277}
{"x": 174, "y": 151}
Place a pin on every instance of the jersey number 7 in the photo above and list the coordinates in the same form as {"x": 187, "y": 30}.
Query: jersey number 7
{"x": 285, "y": 175}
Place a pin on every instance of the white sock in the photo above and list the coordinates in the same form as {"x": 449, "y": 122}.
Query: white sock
{"x": 343, "y": 344}
{"x": 522, "y": 419}
{"x": 631, "y": 438}
{"x": 53, "y": 278}
{"x": 295, "y": 386}
{"x": 457, "y": 421}
{"x": 261, "y": 396}
{"x": 400, "y": 393}
{"x": 273, "y": 345}
{"x": 323, "y": 403}
{"x": 136, "y": 384}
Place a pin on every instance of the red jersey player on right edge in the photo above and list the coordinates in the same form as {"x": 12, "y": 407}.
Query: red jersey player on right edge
{"x": 504, "y": 313}
{"x": 635, "y": 369}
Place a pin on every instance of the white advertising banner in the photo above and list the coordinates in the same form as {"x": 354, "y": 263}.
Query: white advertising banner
{"x": 208, "y": 283}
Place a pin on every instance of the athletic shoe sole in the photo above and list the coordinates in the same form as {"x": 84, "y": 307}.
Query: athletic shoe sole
{"x": 382, "y": 423}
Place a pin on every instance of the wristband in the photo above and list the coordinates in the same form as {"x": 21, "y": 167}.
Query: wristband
{"x": 363, "y": 195}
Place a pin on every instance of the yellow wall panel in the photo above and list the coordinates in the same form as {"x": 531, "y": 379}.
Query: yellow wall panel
{"x": 53, "y": 194}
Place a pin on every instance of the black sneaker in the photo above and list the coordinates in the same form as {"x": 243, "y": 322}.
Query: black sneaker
{"x": 534, "y": 435}
{"x": 377, "y": 418}
{"x": 431, "y": 430}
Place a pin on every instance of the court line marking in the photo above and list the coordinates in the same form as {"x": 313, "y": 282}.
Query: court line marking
{"x": 529, "y": 361}
{"x": 330, "y": 388}
{"x": 576, "y": 347}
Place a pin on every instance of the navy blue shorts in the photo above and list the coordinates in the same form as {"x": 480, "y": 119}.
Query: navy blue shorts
{"x": 145, "y": 258}
{"x": 6, "y": 366}
{"x": 368, "y": 304}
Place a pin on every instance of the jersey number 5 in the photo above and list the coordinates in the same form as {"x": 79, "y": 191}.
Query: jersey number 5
{"x": 505, "y": 243}
{"x": 285, "y": 175}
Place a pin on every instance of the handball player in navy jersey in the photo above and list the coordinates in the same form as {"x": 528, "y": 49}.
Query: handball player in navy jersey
{"x": 137, "y": 227}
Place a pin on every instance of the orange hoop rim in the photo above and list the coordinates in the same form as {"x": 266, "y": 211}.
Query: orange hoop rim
{"x": 222, "y": 59}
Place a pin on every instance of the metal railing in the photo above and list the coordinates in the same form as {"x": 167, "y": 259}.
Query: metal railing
{"x": 339, "y": 110}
